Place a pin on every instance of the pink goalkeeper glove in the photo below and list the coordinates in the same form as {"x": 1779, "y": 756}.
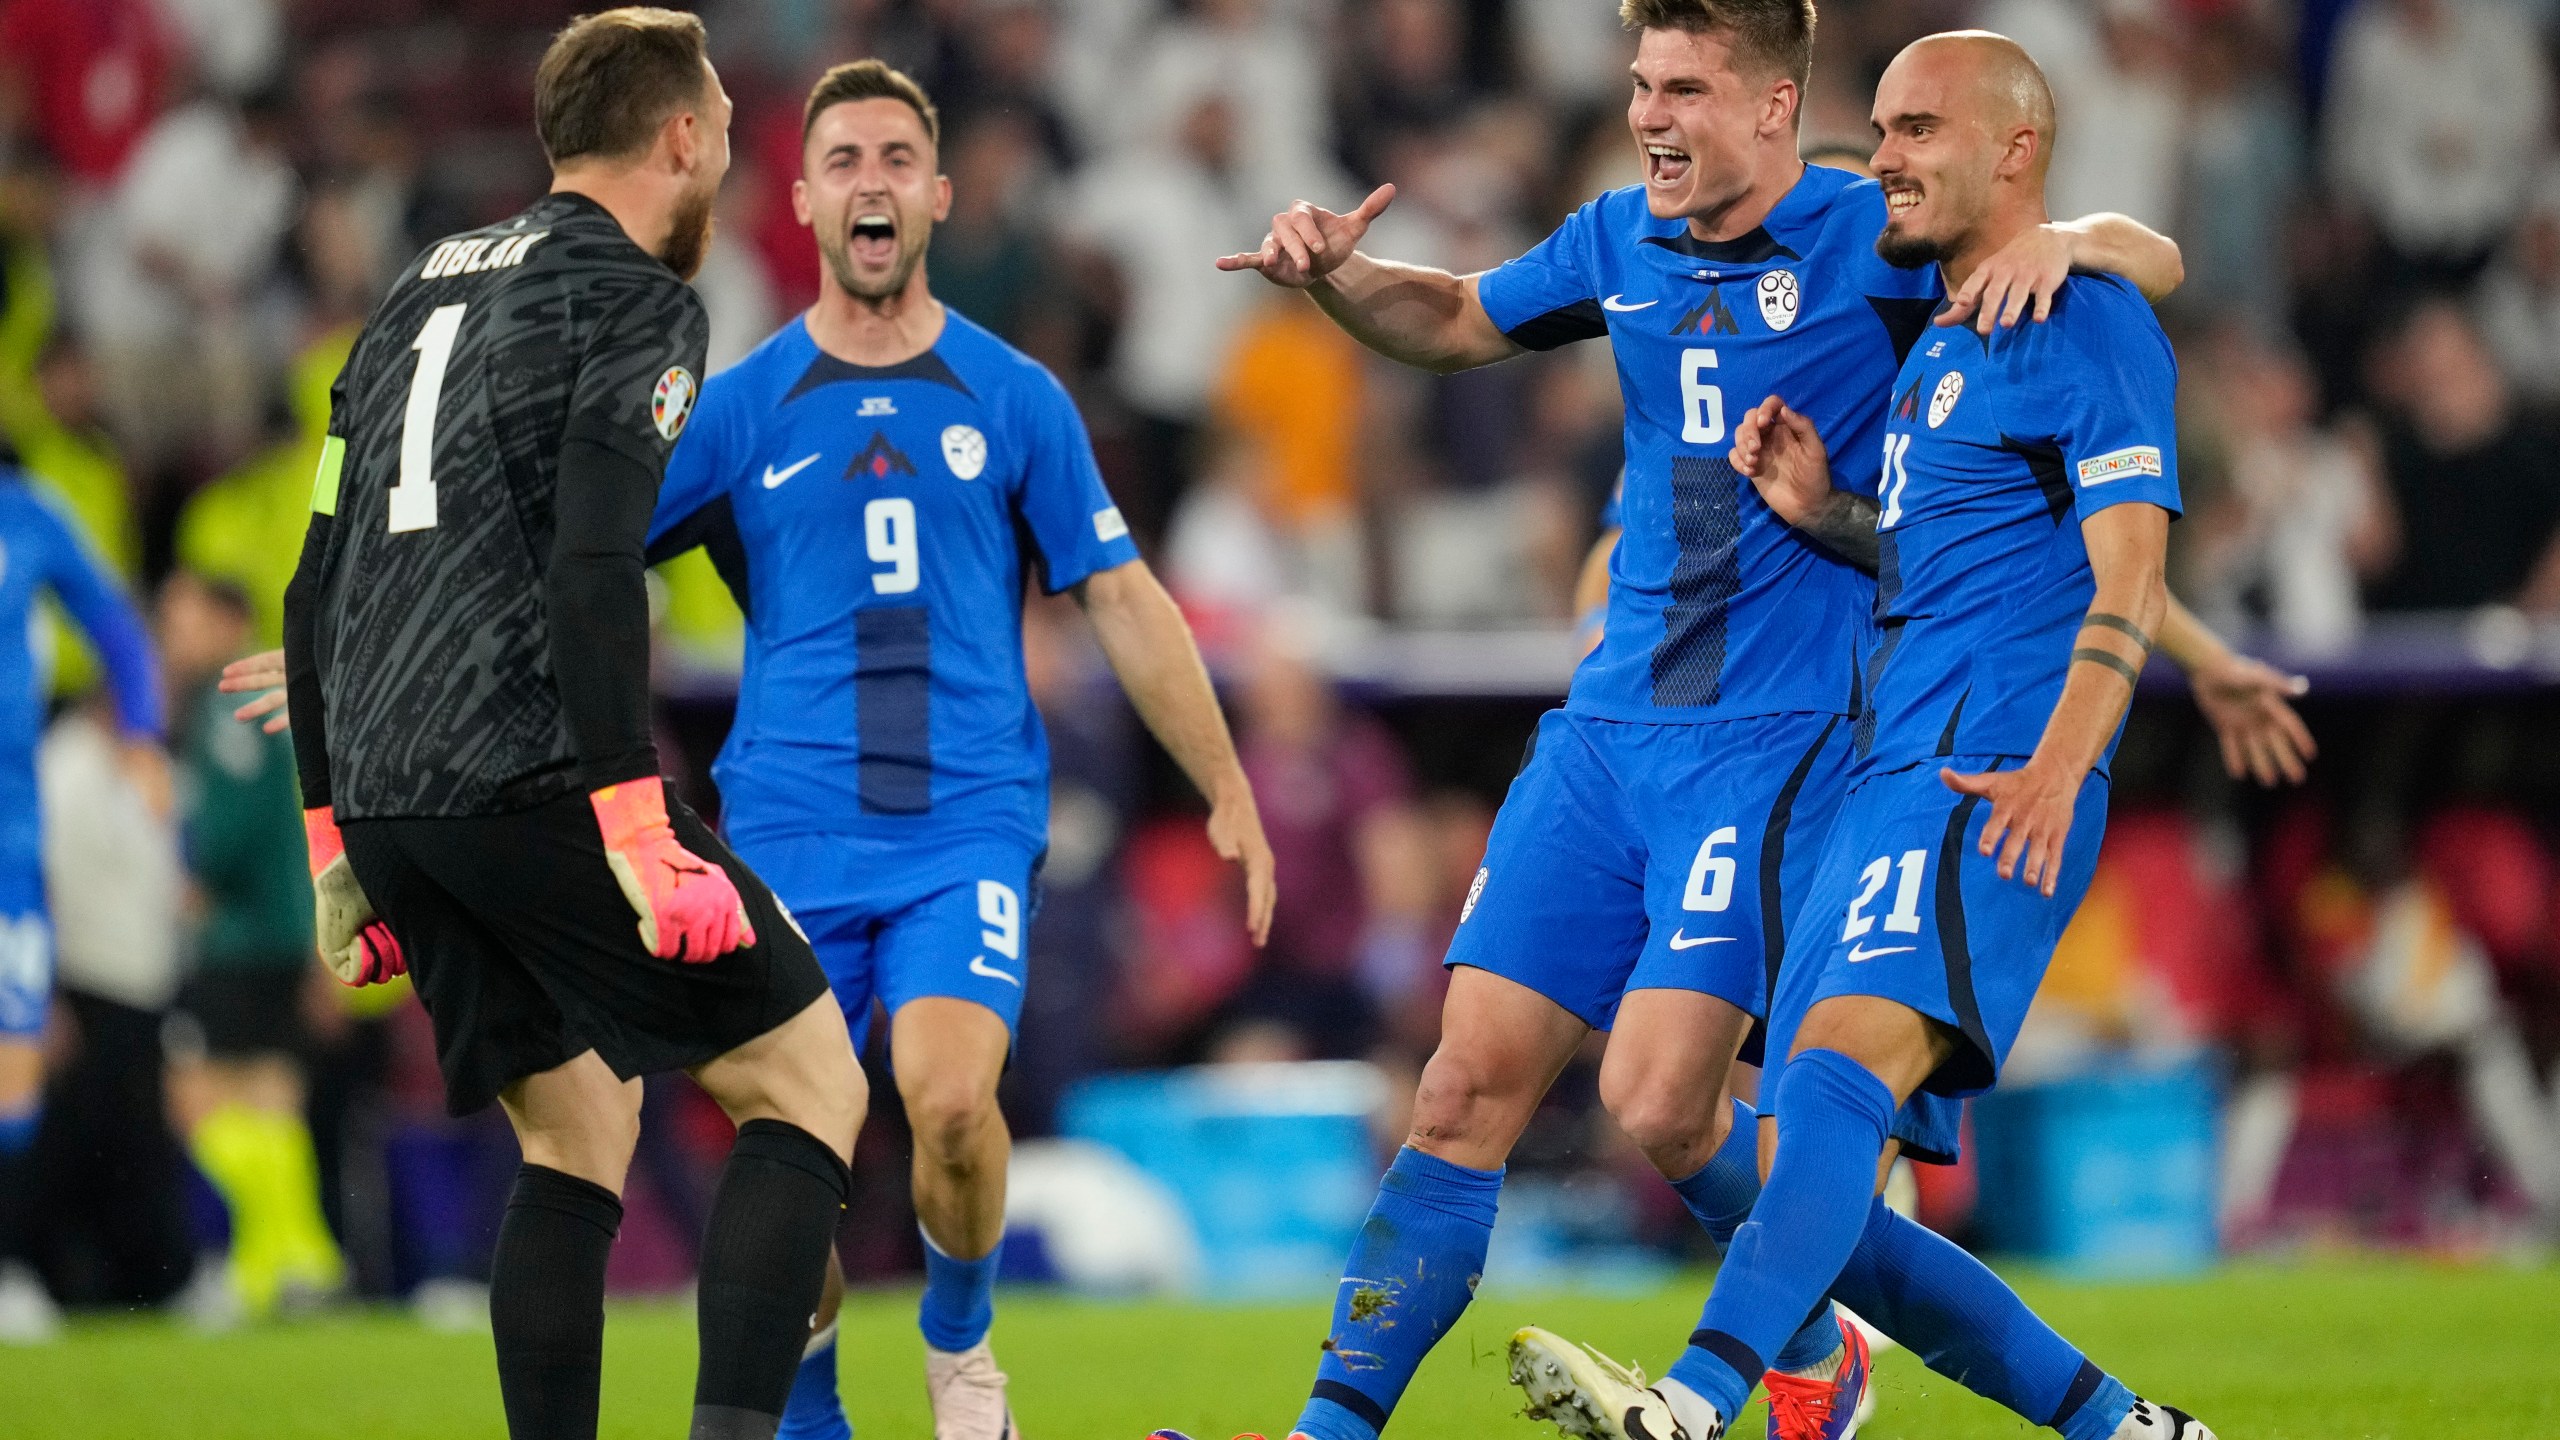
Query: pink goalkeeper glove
{"x": 688, "y": 909}
{"x": 358, "y": 947}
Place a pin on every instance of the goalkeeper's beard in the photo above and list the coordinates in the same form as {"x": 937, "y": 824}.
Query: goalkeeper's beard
{"x": 689, "y": 234}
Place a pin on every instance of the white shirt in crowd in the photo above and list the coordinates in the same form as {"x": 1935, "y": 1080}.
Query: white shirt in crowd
{"x": 2435, "y": 130}
{"x": 199, "y": 196}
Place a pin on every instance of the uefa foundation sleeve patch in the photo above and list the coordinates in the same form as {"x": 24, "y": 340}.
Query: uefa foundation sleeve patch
{"x": 672, "y": 403}
{"x": 2117, "y": 464}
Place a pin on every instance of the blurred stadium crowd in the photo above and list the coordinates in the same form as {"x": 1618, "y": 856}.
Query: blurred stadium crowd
{"x": 201, "y": 199}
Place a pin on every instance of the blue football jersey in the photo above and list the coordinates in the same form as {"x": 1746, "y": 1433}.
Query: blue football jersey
{"x": 1717, "y": 608}
{"x": 1994, "y": 452}
{"x": 877, "y": 525}
{"x": 41, "y": 554}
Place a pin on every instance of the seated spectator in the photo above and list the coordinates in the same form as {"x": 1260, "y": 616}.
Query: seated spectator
{"x": 2476, "y": 485}
{"x": 989, "y": 262}
{"x": 88, "y": 78}
{"x": 2304, "y": 520}
{"x": 2518, "y": 303}
{"x": 2395, "y": 944}
{"x": 194, "y": 230}
{"x": 1327, "y": 776}
{"x": 2436, "y": 109}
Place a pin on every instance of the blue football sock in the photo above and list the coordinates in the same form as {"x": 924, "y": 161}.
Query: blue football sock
{"x": 815, "y": 1411}
{"x": 1720, "y": 1196}
{"x": 1967, "y": 1324}
{"x": 959, "y": 1298}
{"x": 18, "y": 1129}
{"x": 1410, "y": 1276}
{"x": 1833, "y": 1117}
{"x": 17, "y": 1145}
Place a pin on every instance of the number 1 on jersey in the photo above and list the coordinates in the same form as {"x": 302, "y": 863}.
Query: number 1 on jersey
{"x": 413, "y": 500}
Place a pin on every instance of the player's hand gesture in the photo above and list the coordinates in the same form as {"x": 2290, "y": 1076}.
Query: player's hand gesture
{"x": 1235, "y": 832}
{"x": 1308, "y": 242}
{"x": 2027, "y": 270}
{"x": 2249, "y": 703}
{"x": 2031, "y": 811}
{"x": 263, "y": 671}
{"x": 1785, "y": 458}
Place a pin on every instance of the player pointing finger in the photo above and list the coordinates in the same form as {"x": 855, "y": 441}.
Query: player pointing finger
{"x": 1308, "y": 242}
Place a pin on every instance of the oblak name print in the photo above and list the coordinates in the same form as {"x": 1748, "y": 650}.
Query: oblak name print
{"x": 478, "y": 254}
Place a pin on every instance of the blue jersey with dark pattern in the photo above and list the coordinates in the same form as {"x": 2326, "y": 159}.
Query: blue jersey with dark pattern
{"x": 1717, "y": 608}
{"x": 877, "y": 525}
{"x": 1994, "y": 452}
{"x": 40, "y": 554}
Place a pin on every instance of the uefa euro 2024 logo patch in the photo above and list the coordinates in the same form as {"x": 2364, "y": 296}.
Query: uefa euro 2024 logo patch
{"x": 965, "y": 451}
{"x": 1942, "y": 402}
{"x": 1475, "y": 892}
{"x": 672, "y": 402}
{"x": 1778, "y": 296}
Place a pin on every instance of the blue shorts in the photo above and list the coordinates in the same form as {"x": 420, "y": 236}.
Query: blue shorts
{"x": 26, "y": 949}
{"x": 1634, "y": 857}
{"x": 1905, "y": 907}
{"x": 899, "y": 921}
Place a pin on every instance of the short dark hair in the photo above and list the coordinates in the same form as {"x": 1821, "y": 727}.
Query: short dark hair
{"x": 1776, "y": 35}
{"x": 869, "y": 80}
{"x": 611, "y": 79}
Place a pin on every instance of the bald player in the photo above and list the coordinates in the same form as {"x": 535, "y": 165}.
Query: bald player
{"x": 2030, "y": 475}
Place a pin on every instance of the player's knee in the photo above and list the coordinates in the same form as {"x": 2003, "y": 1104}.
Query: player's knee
{"x": 591, "y": 1139}
{"x": 1466, "y": 1096}
{"x": 947, "y": 1114}
{"x": 1661, "y": 1118}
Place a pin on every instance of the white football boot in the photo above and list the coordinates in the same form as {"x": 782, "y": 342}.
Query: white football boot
{"x": 968, "y": 1395}
{"x": 1588, "y": 1396}
{"x": 28, "y": 1315}
{"x": 2160, "y": 1422}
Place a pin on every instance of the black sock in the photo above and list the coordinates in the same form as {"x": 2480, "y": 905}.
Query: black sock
{"x": 764, "y": 1261}
{"x": 546, "y": 1302}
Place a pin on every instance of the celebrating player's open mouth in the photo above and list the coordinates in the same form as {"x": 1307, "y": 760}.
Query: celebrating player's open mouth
{"x": 873, "y": 241}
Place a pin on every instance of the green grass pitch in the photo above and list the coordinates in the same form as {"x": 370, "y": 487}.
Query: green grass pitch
{"x": 2334, "y": 1351}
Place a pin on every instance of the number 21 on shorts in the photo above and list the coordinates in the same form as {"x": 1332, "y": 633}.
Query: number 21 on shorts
{"x": 1904, "y": 917}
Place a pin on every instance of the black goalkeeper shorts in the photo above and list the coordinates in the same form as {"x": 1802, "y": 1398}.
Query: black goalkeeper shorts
{"x": 526, "y": 954}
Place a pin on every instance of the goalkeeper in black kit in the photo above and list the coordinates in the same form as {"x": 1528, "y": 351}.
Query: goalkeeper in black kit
{"x": 467, "y": 649}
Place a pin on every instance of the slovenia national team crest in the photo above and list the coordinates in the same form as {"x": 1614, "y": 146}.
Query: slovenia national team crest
{"x": 965, "y": 451}
{"x": 672, "y": 403}
{"x": 1943, "y": 403}
{"x": 1778, "y": 296}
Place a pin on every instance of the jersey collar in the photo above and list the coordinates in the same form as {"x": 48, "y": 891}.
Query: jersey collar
{"x": 825, "y": 369}
{"x": 1759, "y": 246}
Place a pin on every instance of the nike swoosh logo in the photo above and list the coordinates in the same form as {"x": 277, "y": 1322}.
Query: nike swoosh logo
{"x": 1861, "y": 952}
{"x": 978, "y": 966}
{"x": 1612, "y": 304}
{"x": 773, "y": 478}
{"x": 1680, "y": 941}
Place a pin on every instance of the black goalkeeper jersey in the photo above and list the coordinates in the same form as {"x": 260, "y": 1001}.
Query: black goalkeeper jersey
{"x": 435, "y": 672}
